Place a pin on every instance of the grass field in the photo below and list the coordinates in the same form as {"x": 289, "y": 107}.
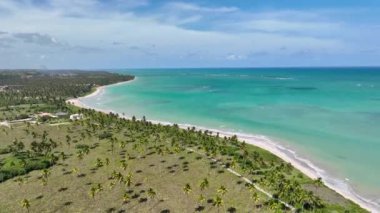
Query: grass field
{"x": 157, "y": 171}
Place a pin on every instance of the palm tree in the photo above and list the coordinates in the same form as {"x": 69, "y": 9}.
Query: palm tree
{"x": 318, "y": 182}
{"x": 45, "y": 173}
{"x": 218, "y": 202}
{"x": 233, "y": 163}
{"x": 187, "y": 188}
{"x": 255, "y": 197}
{"x": 251, "y": 187}
{"x": 112, "y": 184}
{"x": 25, "y": 204}
{"x": 75, "y": 170}
{"x": 19, "y": 181}
{"x": 44, "y": 181}
{"x": 92, "y": 192}
{"x": 99, "y": 187}
{"x": 44, "y": 176}
{"x": 222, "y": 190}
{"x": 124, "y": 165}
{"x": 204, "y": 184}
{"x": 63, "y": 156}
{"x": 99, "y": 163}
{"x": 151, "y": 193}
{"x": 201, "y": 199}
{"x": 68, "y": 139}
{"x": 126, "y": 197}
{"x": 128, "y": 180}
{"x": 274, "y": 205}
{"x": 80, "y": 155}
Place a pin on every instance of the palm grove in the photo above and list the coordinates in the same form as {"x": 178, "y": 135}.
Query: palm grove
{"x": 117, "y": 164}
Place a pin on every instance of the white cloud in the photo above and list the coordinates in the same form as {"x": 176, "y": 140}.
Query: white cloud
{"x": 234, "y": 57}
{"x": 83, "y": 34}
{"x": 196, "y": 8}
{"x": 37, "y": 38}
{"x": 273, "y": 25}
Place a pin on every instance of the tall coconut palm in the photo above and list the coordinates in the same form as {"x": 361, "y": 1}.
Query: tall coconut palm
{"x": 124, "y": 165}
{"x": 201, "y": 199}
{"x": 25, "y": 204}
{"x": 318, "y": 182}
{"x": 151, "y": 193}
{"x": 128, "y": 180}
{"x": 93, "y": 192}
{"x": 255, "y": 197}
{"x": 19, "y": 181}
{"x": 126, "y": 197}
{"x": 75, "y": 171}
{"x": 99, "y": 187}
{"x": 45, "y": 173}
{"x": 44, "y": 176}
{"x": 112, "y": 184}
{"x": 187, "y": 189}
{"x": 204, "y": 184}
{"x": 218, "y": 202}
{"x": 107, "y": 161}
{"x": 98, "y": 163}
{"x": 222, "y": 190}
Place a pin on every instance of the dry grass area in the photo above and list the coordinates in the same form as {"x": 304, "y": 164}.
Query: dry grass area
{"x": 154, "y": 166}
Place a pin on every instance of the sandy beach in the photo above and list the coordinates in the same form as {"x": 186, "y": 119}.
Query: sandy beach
{"x": 263, "y": 142}
{"x": 99, "y": 90}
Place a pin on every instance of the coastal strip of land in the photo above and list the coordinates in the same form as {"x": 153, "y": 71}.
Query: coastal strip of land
{"x": 256, "y": 140}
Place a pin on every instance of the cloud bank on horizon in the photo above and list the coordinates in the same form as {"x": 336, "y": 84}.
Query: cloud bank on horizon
{"x": 92, "y": 34}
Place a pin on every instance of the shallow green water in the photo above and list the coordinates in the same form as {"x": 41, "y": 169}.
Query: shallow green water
{"x": 330, "y": 116}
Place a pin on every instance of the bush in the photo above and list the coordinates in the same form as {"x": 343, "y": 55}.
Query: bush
{"x": 22, "y": 116}
{"x": 105, "y": 135}
{"x": 13, "y": 167}
{"x": 5, "y": 151}
{"x": 82, "y": 146}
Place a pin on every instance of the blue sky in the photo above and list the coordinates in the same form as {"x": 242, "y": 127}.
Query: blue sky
{"x": 93, "y": 34}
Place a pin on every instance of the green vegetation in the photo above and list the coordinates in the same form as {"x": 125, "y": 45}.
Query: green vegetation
{"x": 110, "y": 164}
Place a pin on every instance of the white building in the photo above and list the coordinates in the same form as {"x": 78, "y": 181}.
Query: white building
{"x": 75, "y": 117}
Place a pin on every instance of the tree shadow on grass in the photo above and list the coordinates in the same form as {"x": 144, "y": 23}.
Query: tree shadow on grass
{"x": 68, "y": 203}
{"x": 39, "y": 197}
{"x": 110, "y": 210}
{"x": 81, "y": 175}
{"x": 135, "y": 196}
{"x": 199, "y": 208}
{"x": 143, "y": 200}
{"x": 62, "y": 189}
{"x": 231, "y": 210}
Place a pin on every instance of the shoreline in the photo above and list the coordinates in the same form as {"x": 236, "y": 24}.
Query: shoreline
{"x": 289, "y": 156}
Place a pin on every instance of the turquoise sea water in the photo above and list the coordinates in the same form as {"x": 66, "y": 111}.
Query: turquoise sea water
{"x": 330, "y": 116}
